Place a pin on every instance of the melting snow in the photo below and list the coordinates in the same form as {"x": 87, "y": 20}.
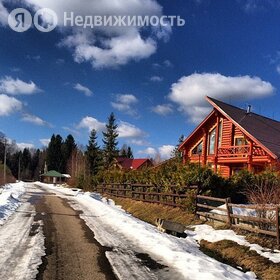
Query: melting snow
{"x": 115, "y": 228}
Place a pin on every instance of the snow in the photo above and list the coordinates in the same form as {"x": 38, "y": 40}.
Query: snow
{"x": 126, "y": 235}
{"x": 10, "y": 200}
{"x": 237, "y": 211}
{"x": 208, "y": 233}
{"x": 22, "y": 240}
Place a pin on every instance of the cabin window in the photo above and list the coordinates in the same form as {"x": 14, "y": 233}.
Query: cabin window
{"x": 197, "y": 149}
{"x": 212, "y": 140}
{"x": 220, "y": 134}
{"x": 240, "y": 141}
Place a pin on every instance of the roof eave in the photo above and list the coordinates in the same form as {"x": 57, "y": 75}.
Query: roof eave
{"x": 196, "y": 129}
{"x": 241, "y": 128}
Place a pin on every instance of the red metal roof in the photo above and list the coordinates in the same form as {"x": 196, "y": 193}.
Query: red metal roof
{"x": 134, "y": 164}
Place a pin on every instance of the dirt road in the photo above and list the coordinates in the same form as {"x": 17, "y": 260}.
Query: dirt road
{"x": 72, "y": 253}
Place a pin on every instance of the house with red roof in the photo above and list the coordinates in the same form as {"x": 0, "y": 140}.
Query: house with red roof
{"x": 133, "y": 164}
{"x": 231, "y": 139}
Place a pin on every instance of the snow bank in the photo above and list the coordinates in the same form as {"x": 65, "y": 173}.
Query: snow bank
{"x": 10, "y": 199}
{"x": 210, "y": 234}
{"x": 125, "y": 234}
{"x": 236, "y": 210}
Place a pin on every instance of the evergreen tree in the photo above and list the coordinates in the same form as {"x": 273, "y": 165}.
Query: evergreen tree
{"x": 68, "y": 147}
{"x": 34, "y": 165}
{"x": 129, "y": 152}
{"x": 93, "y": 154}
{"x": 13, "y": 163}
{"x": 110, "y": 141}
{"x": 54, "y": 154}
{"x": 126, "y": 152}
{"x": 123, "y": 151}
{"x": 176, "y": 153}
{"x": 25, "y": 164}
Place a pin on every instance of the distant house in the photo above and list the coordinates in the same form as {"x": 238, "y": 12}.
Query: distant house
{"x": 230, "y": 139}
{"x": 133, "y": 164}
{"x": 54, "y": 177}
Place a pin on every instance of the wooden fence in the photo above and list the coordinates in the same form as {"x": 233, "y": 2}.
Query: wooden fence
{"x": 147, "y": 193}
{"x": 266, "y": 221}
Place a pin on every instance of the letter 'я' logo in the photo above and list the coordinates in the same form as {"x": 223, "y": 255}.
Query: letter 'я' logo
{"x": 20, "y": 20}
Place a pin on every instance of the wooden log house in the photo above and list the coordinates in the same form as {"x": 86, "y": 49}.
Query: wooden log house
{"x": 230, "y": 139}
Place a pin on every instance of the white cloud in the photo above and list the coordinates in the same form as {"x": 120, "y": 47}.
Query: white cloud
{"x": 3, "y": 14}
{"x": 148, "y": 151}
{"x": 278, "y": 69}
{"x": 163, "y": 109}
{"x": 165, "y": 151}
{"x": 127, "y": 130}
{"x": 34, "y": 120}
{"x": 15, "y": 69}
{"x": 33, "y": 57}
{"x": 71, "y": 130}
{"x": 190, "y": 91}
{"x": 167, "y": 63}
{"x": 156, "y": 79}
{"x": 118, "y": 51}
{"x": 91, "y": 123}
{"x": 22, "y": 146}
{"x": 12, "y": 86}
{"x": 124, "y": 103}
{"x": 9, "y": 105}
{"x": 138, "y": 142}
{"x": 108, "y": 46}
{"x": 83, "y": 89}
{"x": 45, "y": 142}
{"x": 251, "y": 6}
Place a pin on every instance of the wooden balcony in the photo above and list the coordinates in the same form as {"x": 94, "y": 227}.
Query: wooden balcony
{"x": 240, "y": 151}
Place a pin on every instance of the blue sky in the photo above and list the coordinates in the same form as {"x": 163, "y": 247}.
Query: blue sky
{"x": 69, "y": 80}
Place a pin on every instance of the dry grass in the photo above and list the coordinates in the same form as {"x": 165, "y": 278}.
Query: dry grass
{"x": 9, "y": 176}
{"x": 235, "y": 255}
{"x": 149, "y": 212}
{"x": 263, "y": 240}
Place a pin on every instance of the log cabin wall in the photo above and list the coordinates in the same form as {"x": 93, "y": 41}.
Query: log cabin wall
{"x": 229, "y": 154}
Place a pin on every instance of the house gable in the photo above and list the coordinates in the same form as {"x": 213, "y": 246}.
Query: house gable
{"x": 250, "y": 129}
{"x": 220, "y": 141}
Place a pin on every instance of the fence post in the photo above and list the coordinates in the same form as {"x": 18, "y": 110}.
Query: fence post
{"x": 196, "y": 201}
{"x": 277, "y": 225}
{"x": 229, "y": 210}
{"x": 132, "y": 190}
{"x": 124, "y": 190}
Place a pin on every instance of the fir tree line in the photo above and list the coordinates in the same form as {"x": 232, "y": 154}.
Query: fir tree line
{"x": 65, "y": 156}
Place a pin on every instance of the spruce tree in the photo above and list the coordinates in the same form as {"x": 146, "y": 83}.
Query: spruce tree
{"x": 93, "y": 154}
{"x": 54, "y": 154}
{"x": 123, "y": 151}
{"x": 68, "y": 146}
{"x": 110, "y": 141}
{"x": 176, "y": 153}
{"x": 129, "y": 152}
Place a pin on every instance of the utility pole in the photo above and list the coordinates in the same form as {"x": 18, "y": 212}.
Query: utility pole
{"x": 19, "y": 166}
{"x": 5, "y": 159}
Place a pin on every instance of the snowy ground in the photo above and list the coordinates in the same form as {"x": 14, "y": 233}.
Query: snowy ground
{"x": 10, "y": 199}
{"x": 126, "y": 235}
{"x": 209, "y": 234}
{"x": 22, "y": 241}
{"x": 136, "y": 250}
